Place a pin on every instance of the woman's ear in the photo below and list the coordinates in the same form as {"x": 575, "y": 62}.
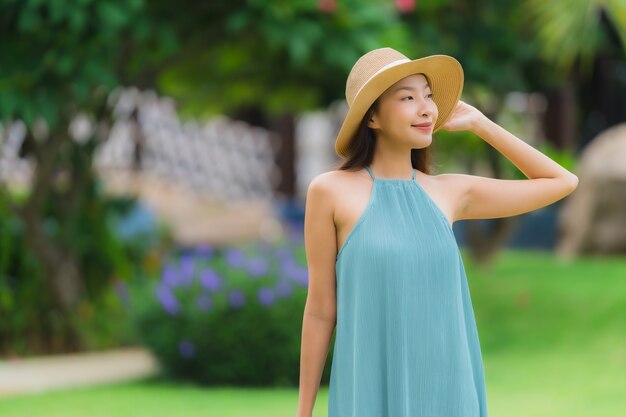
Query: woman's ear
{"x": 372, "y": 123}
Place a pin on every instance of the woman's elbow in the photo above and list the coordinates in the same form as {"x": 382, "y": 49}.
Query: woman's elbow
{"x": 572, "y": 183}
{"x": 321, "y": 307}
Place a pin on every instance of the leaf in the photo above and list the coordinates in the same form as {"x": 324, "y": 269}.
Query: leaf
{"x": 238, "y": 21}
{"x": 112, "y": 16}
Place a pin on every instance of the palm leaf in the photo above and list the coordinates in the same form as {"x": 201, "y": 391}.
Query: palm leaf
{"x": 568, "y": 29}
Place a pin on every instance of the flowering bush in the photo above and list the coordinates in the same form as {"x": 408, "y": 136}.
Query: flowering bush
{"x": 227, "y": 315}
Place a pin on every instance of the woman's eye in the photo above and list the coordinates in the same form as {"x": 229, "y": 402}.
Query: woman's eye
{"x": 429, "y": 96}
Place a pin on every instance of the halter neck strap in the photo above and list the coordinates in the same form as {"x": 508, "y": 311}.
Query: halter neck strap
{"x": 370, "y": 171}
{"x": 374, "y": 176}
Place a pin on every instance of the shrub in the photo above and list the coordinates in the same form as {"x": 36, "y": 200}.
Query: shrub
{"x": 227, "y": 315}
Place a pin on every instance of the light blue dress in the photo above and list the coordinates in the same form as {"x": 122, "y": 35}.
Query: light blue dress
{"x": 406, "y": 343}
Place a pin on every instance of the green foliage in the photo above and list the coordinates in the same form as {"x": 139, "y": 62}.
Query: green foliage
{"x": 56, "y": 53}
{"x": 105, "y": 259}
{"x": 451, "y": 148}
{"x": 275, "y": 55}
{"x": 231, "y": 316}
{"x": 21, "y": 300}
{"x": 568, "y": 30}
{"x": 496, "y": 52}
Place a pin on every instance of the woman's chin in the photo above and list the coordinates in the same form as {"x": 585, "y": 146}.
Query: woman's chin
{"x": 423, "y": 141}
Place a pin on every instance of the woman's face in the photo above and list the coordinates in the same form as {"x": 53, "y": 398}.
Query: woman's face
{"x": 405, "y": 104}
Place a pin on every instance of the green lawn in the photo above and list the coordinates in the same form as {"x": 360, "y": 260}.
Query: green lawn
{"x": 553, "y": 337}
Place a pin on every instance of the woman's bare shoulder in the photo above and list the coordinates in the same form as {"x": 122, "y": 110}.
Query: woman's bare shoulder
{"x": 328, "y": 187}
{"x": 336, "y": 180}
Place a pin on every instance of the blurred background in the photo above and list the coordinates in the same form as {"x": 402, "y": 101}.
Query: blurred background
{"x": 155, "y": 157}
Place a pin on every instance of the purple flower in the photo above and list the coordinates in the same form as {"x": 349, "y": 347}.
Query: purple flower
{"x": 286, "y": 265}
{"x": 167, "y": 299}
{"x": 210, "y": 279}
{"x": 170, "y": 275}
{"x": 235, "y": 258}
{"x": 205, "y": 250}
{"x": 295, "y": 235}
{"x": 290, "y": 269}
{"x": 203, "y": 302}
{"x": 186, "y": 349}
{"x": 236, "y": 298}
{"x": 266, "y": 296}
{"x": 301, "y": 276}
{"x": 283, "y": 288}
{"x": 258, "y": 266}
{"x": 187, "y": 269}
{"x": 283, "y": 253}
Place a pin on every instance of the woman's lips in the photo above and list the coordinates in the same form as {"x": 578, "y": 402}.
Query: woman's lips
{"x": 423, "y": 128}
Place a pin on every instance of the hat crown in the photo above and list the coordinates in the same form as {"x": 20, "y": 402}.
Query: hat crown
{"x": 367, "y": 66}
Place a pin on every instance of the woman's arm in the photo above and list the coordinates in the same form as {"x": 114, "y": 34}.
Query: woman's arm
{"x": 483, "y": 197}
{"x": 321, "y": 308}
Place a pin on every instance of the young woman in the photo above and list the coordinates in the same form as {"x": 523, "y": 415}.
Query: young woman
{"x": 385, "y": 270}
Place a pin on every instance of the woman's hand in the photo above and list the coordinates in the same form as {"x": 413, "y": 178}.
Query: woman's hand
{"x": 463, "y": 117}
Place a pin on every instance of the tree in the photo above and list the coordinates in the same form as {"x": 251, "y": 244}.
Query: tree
{"x": 60, "y": 60}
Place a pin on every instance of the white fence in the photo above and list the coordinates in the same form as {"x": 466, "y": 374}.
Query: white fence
{"x": 221, "y": 157}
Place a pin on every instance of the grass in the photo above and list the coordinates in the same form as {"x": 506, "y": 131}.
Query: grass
{"x": 156, "y": 398}
{"x": 530, "y": 301}
{"x": 553, "y": 337}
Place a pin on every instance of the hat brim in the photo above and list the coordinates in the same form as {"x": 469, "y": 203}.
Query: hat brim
{"x": 445, "y": 75}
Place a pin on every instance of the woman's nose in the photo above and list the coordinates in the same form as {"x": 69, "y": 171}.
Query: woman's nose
{"x": 427, "y": 108}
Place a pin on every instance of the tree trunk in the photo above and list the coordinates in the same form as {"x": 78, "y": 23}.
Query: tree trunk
{"x": 284, "y": 125}
{"x": 559, "y": 121}
{"x": 60, "y": 269}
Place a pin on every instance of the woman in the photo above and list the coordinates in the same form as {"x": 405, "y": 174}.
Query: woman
{"x": 385, "y": 270}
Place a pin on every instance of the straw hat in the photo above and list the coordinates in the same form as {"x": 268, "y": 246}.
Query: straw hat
{"x": 377, "y": 70}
